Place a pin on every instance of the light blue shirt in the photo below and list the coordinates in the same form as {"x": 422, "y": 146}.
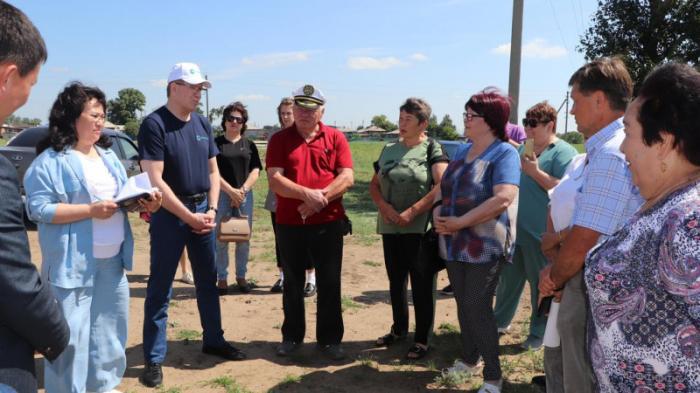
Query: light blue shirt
{"x": 66, "y": 249}
{"x": 607, "y": 197}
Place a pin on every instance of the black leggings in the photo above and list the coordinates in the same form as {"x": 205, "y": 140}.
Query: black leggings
{"x": 402, "y": 259}
{"x": 474, "y": 285}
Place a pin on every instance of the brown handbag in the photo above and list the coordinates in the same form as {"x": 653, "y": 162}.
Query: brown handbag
{"x": 233, "y": 229}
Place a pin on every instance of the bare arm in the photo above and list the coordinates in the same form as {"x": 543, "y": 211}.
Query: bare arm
{"x": 572, "y": 254}
{"x": 340, "y": 184}
{"x": 424, "y": 204}
{"x": 503, "y": 196}
{"x": 531, "y": 168}
{"x": 68, "y": 212}
{"x": 288, "y": 189}
{"x": 386, "y": 211}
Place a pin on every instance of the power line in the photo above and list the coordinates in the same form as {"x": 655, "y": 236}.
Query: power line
{"x": 561, "y": 34}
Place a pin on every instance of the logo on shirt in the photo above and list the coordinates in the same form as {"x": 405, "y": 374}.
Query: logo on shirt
{"x": 201, "y": 138}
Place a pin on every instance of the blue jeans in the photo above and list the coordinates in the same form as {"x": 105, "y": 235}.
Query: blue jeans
{"x": 169, "y": 236}
{"x": 242, "y": 248}
{"x": 95, "y": 358}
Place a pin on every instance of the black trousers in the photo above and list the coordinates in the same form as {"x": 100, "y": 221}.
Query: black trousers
{"x": 474, "y": 286}
{"x": 324, "y": 243}
{"x": 309, "y": 264}
{"x": 402, "y": 258}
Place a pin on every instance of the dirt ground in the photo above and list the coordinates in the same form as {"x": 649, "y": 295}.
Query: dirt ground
{"x": 252, "y": 322}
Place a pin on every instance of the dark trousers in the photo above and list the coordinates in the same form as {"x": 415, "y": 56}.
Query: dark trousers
{"x": 474, "y": 286}
{"x": 169, "y": 235}
{"x": 403, "y": 259}
{"x": 309, "y": 264}
{"x": 324, "y": 243}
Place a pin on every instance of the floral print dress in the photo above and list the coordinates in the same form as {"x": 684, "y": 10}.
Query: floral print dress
{"x": 643, "y": 287}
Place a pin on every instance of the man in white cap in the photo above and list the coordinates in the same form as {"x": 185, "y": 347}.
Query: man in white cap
{"x": 178, "y": 151}
{"x": 309, "y": 167}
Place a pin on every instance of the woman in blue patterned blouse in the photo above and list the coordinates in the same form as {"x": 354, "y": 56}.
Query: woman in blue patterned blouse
{"x": 644, "y": 281}
{"x": 476, "y": 223}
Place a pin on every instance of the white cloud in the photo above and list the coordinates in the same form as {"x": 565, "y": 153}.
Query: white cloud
{"x": 419, "y": 57}
{"x": 158, "y": 82}
{"x": 536, "y": 49}
{"x": 374, "y": 63}
{"x": 275, "y": 59}
{"x": 251, "y": 97}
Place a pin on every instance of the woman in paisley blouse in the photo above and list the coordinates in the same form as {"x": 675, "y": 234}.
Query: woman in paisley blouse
{"x": 644, "y": 281}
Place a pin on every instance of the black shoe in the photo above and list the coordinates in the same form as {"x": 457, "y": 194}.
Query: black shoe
{"x": 287, "y": 348}
{"x": 447, "y": 290}
{"x": 333, "y": 351}
{"x": 539, "y": 380}
{"x": 152, "y": 375}
{"x": 226, "y": 351}
{"x": 277, "y": 288}
{"x": 309, "y": 289}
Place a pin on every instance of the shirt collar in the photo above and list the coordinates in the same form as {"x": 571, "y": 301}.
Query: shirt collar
{"x": 604, "y": 135}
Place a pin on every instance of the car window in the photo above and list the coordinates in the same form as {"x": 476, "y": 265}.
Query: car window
{"x": 130, "y": 152}
{"x": 29, "y": 137}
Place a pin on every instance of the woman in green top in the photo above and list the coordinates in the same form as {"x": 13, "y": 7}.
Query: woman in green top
{"x": 541, "y": 171}
{"x": 403, "y": 188}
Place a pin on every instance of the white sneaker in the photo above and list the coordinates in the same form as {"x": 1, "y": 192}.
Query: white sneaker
{"x": 460, "y": 367}
{"x": 187, "y": 279}
{"x": 504, "y": 330}
{"x": 490, "y": 388}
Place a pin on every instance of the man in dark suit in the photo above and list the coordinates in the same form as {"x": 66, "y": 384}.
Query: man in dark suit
{"x": 30, "y": 319}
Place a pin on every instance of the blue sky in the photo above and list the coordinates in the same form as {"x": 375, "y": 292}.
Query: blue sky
{"x": 366, "y": 56}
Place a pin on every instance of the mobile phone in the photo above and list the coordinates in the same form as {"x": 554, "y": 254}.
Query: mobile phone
{"x": 545, "y": 305}
{"x": 529, "y": 147}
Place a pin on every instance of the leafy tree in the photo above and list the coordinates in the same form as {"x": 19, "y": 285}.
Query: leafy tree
{"x": 199, "y": 109}
{"x": 447, "y": 129}
{"x": 644, "y": 33}
{"x": 433, "y": 127}
{"x": 24, "y": 121}
{"x": 216, "y": 113}
{"x": 131, "y": 127}
{"x": 381, "y": 121}
{"x": 123, "y": 109}
{"x": 572, "y": 137}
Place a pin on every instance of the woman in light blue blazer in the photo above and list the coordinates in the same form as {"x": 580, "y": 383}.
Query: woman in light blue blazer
{"x": 85, "y": 238}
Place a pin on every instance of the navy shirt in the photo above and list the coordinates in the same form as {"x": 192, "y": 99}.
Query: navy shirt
{"x": 184, "y": 147}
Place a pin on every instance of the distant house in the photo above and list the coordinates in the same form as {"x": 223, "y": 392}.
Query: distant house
{"x": 7, "y": 131}
{"x": 372, "y": 132}
{"x": 348, "y": 132}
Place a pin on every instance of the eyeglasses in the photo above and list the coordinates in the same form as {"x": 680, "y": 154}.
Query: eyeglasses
{"x": 532, "y": 123}
{"x": 196, "y": 88}
{"x": 469, "y": 116}
{"x": 97, "y": 116}
{"x": 235, "y": 119}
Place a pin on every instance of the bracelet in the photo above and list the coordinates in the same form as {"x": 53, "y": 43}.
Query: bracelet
{"x": 436, "y": 204}
{"x": 213, "y": 208}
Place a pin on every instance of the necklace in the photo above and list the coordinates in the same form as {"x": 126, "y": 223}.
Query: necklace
{"x": 695, "y": 176}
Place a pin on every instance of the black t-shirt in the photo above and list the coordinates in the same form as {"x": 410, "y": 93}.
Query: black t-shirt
{"x": 184, "y": 147}
{"x": 236, "y": 160}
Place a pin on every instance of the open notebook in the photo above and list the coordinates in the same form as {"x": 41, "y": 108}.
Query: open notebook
{"x": 136, "y": 187}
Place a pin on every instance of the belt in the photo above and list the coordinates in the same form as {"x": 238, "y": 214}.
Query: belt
{"x": 194, "y": 198}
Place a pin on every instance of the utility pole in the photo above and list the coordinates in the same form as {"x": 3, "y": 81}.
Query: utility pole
{"x": 566, "y": 118}
{"x": 516, "y": 43}
{"x": 206, "y": 95}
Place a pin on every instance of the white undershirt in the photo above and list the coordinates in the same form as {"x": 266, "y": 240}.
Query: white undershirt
{"x": 562, "y": 198}
{"x": 107, "y": 234}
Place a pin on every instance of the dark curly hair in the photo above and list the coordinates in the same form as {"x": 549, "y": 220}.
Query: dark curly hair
{"x": 670, "y": 102}
{"x": 65, "y": 112}
{"x": 235, "y": 107}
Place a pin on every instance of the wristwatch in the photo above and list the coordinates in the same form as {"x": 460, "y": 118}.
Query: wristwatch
{"x": 213, "y": 208}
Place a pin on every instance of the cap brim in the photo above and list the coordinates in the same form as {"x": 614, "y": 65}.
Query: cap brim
{"x": 198, "y": 81}
{"x": 307, "y": 103}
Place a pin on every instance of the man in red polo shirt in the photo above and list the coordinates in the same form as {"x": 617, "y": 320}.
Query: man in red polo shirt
{"x": 309, "y": 167}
